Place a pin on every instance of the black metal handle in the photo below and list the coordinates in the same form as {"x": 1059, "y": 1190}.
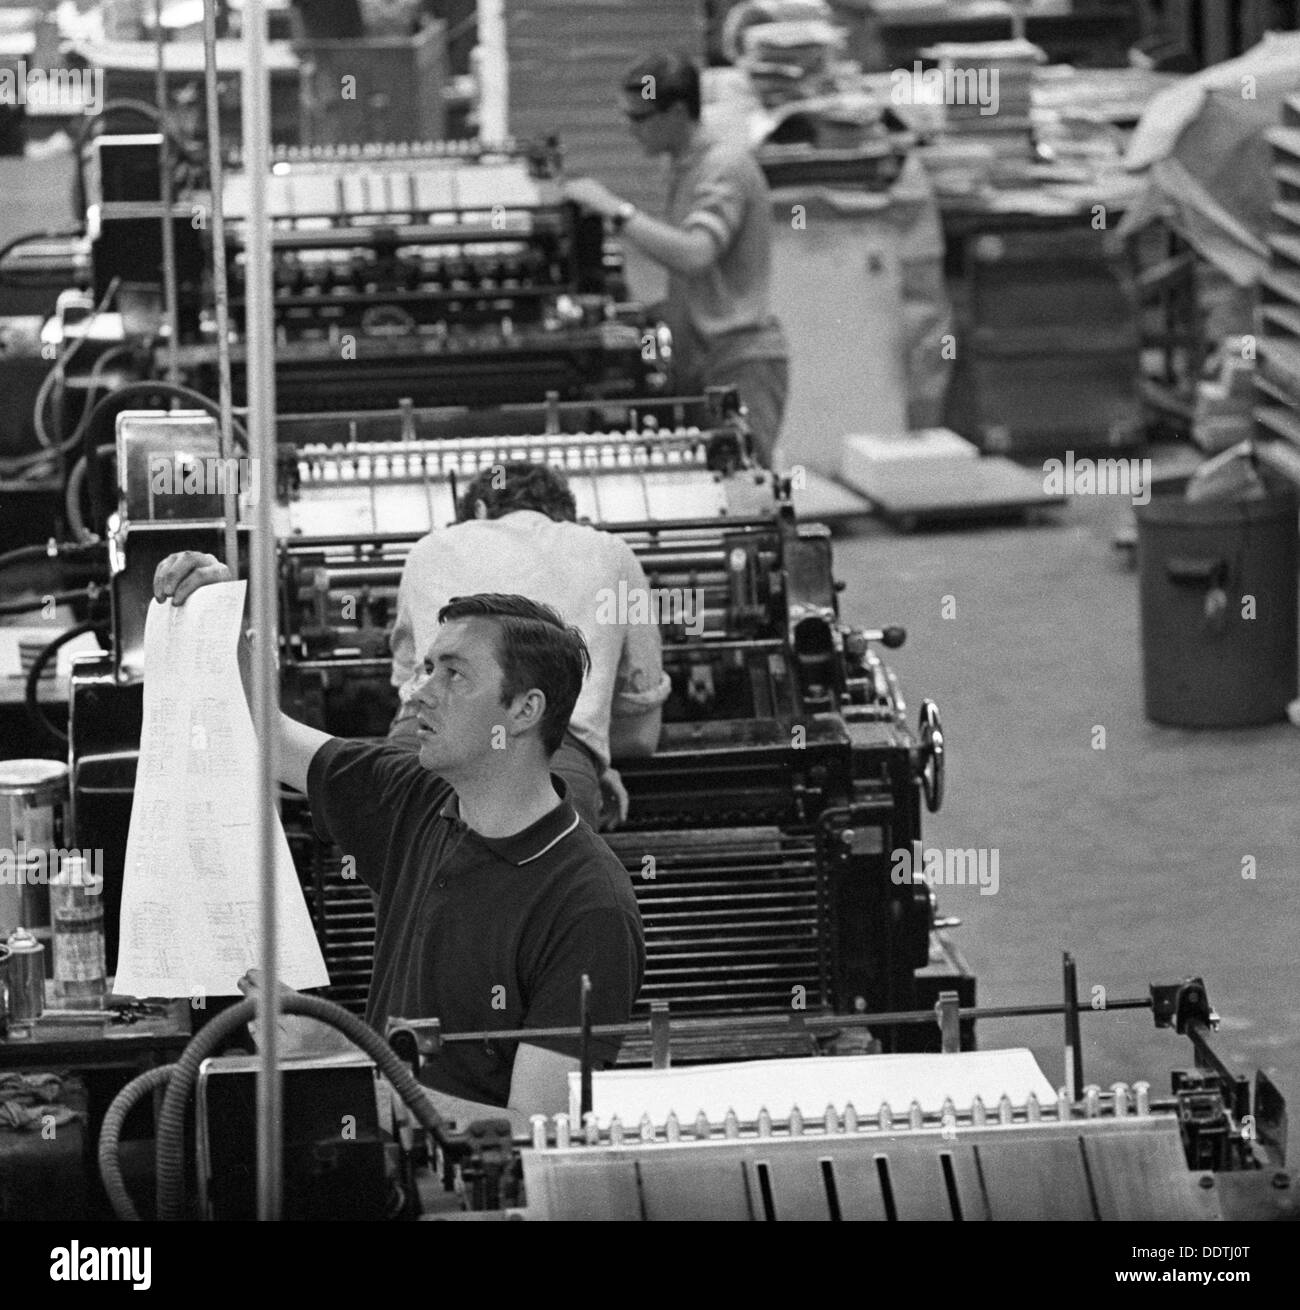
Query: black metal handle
{"x": 1189, "y": 571}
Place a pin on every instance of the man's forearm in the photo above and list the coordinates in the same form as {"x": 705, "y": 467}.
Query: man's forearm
{"x": 296, "y": 743}
{"x": 686, "y": 252}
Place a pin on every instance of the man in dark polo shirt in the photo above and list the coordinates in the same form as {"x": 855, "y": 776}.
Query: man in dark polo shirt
{"x": 493, "y": 897}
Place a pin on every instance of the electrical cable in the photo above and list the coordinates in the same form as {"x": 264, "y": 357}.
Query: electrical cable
{"x": 25, "y": 554}
{"x": 31, "y": 700}
{"x": 35, "y": 459}
{"x": 88, "y": 592}
{"x": 55, "y": 375}
{"x": 72, "y": 497}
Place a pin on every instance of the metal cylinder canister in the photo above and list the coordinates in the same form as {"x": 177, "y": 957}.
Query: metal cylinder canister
{"x": 33, "y": 798}
{"x": 26, "y": 978}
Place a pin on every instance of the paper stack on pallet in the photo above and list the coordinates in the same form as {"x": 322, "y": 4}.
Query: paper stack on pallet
{"x": 988, "y": 90}
{"x": 792, "y": 60}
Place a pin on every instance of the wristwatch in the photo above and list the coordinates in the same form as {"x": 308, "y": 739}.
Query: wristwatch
{"x": 623, "y": 215}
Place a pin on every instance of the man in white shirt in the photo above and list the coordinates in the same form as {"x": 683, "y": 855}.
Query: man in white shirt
{"x": 517, "y": 533}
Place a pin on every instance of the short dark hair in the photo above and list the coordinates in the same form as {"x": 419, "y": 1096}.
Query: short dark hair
{"x": 676, "y": 81}
{"x": 535, "y": 648}
{"x": 504, "y": 488}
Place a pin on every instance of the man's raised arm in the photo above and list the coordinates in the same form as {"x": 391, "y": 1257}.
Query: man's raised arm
{"x": 176, "y": 579}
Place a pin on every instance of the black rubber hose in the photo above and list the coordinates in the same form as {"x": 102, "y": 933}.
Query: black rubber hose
{"x": 72, "y": 496}
{"x": 171, "y": 1122}
{"x": 22, "y": 554}
{"x": 59, "y": 598}
{"x": 110, "y": 1132}
{"x": 30, "y": 700}
{"x": 25, "y": 554}
{"x": 90, "y": 443}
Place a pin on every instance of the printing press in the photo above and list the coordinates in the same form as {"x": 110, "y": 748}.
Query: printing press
{"x": 452, "y": 273}
{"x": 761, "y": 832}
{"x": 1084, "y": 1153}
{"x": 440, "y": 273}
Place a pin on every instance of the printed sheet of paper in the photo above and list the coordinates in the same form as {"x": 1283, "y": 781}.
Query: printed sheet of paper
{"x": 190, "y": 894}
{"x": 813, "y": 1083}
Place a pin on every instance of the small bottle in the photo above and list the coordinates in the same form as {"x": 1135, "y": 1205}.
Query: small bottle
{"x": 77, "y": 911}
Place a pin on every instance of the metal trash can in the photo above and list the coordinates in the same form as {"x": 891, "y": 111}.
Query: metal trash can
{"x": 1218, "y": 597}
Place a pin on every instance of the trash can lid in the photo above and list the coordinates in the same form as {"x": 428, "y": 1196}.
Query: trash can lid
{"x": 1174, "y": 509}
{"x": 20, "y": 776}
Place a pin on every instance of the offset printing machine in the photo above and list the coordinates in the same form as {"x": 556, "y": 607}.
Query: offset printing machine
{"x": 447, "y": 273}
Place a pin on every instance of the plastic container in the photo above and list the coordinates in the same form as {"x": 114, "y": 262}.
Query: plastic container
{"x": 77, "y": 912}
{"x": 1218, "y": 608}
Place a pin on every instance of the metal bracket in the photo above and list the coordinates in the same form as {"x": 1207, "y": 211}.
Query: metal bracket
{"x": 949, "y": 1023}
{"x": 1175, "y": 1005}
{"x": 661, "y": 1055}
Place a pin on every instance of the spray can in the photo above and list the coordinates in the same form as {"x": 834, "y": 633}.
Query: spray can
{"x": 26, "y": 978}
{"x": 77, "y": 915}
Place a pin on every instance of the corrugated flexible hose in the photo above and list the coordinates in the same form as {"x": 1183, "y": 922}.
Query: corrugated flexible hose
{"x": 110, "y": 1167}
{"x": 179, "y": 1077}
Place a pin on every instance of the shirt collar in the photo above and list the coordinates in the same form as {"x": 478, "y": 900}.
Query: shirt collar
{"x": 533, "y": 842}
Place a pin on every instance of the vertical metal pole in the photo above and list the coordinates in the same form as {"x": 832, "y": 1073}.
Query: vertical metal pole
{"x": 493, "y": 72}
{"x": 261, "y": 448}
{"x": 1073, "y": 1039}
{"x": 216, "y": 178}
{"x": 584, "y": 1018}
{"x": 165, "y": 192}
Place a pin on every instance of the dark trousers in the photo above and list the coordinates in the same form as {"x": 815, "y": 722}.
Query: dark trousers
{"x": 763, "y": 385}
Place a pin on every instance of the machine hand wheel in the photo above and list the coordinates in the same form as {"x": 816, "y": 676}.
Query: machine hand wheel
{"x": 931, "y": 735}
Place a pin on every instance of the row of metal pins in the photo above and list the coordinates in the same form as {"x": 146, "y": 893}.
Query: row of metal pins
{"x": 331, "y": 465}
{"x": 610, "y": 442}
{"x": 1123, "y": 1101}
{"x": 450, "y": 148}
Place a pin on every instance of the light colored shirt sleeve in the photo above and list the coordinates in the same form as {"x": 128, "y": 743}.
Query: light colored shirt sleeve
{"x": 641, "y": 683}
{"x": 402, "y": 639}
{"x": 718, "y": 201}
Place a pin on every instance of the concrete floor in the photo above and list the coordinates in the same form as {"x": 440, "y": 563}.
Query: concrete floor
{"x": 1130, "y": 857}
